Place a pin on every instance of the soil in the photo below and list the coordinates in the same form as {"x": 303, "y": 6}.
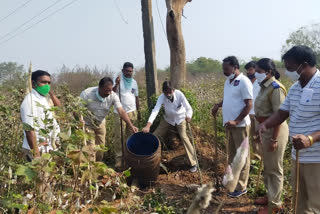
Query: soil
{"x": 179, "y": 185}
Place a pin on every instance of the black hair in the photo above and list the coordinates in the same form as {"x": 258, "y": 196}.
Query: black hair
{"x": 300, "y": 54}
{"x": 104, "y": 80}
{"x": 38, "y": 73}
{"x": 251, "y": 64}
{"x": 167, "y": 86}
{"x": 127, "y": 65}
{"x": 232, "y": 60}
{"x": 267, "y": 65}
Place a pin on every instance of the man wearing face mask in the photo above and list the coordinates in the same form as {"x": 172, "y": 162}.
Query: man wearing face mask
{"x": 33, "y": 115}
{"x": 129, "y": 99}
{"x": 178, "y": 113}
{"x": 236, "y": 105}
{"x": 302, "y": 105}
{"x": 251, "y": 71}
{"x": 99, "y": 100}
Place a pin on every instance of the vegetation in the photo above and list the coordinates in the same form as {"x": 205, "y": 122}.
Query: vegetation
{"x": 66, "y": 181}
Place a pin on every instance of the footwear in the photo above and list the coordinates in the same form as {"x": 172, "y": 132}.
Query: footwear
{"x": 193, "y": 169}
{"x": 261, "y": 201}
{"x": 237, "y": 194}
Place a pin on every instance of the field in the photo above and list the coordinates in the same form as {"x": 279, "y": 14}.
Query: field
{"x": 67, "y": 182}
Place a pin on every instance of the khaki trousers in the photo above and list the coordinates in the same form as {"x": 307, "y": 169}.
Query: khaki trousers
{"x": 273, "y": 165}
{"x": 309, "y": 187}
{"x": 162, "y": 129}
{"x": 100, "y": 138}
{"x": 126, "y": 134}
{"x": 254, "y": 138}
{"x": 236, "y": 136}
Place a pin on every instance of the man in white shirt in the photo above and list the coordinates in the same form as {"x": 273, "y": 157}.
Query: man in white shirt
{"x": 302, "y": 105}
{"x": 99, "y": 100}
{"x": 236, "y": 105}
{"x": 255, "y": 140}
{"x": 129, "y": 98}
{"x": 178, "y": 113}
{"x": 34, "y": 115}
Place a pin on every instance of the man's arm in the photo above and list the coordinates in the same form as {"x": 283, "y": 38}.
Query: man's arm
{"x": 55, "y": 100}
{"x": 32, "y": 141}
{"x": 154, "y": 114}
{"x": 116, "y": 85}
{"x": 245, "y": 111}
{"x": 123, "y": 115}
{"x": 216, "y": 108}
{"x": 275, "y": 120}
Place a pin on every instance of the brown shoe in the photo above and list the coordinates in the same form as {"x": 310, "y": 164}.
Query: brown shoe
{"x": 261, "y": 201}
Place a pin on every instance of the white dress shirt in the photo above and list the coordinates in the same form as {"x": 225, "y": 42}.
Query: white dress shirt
{"x": 128, "y": 96}
{"x": 256, "y": 89}
{"x": 176, "y": 111}
{"x": 33, "y": 114}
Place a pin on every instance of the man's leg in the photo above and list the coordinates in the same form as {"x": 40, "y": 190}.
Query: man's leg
{"x": 162, "y": 129}
{"x": 238, "y": 135}
{"x": 182, "y": 130}
{"x": 254, "y": 139}
{"x": 27, "y": 154}
{"x": 117, "y": 140}
{"x": 100, "y": 138}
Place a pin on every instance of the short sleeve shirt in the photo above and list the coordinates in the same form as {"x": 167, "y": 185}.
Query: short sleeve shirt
{"x": 128, "y": 96}
{"x": 234, "y": 95}
{"x": 269, "y": 99}
{"x": 33, "y": 111}
{"x": 99, "y": 109}
{"x": 256, "y": 89}
{"x": 303, "y": 105}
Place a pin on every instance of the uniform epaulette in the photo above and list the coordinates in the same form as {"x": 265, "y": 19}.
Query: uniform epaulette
{"x": 275, "y": 85}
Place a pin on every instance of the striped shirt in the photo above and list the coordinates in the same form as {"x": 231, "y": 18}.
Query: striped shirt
{"x": 303, "y": 105}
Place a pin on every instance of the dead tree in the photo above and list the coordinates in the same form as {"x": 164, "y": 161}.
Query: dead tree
{"x": 176, "y": 42}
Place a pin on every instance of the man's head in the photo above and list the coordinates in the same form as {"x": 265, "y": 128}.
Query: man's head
{"x": 40, "y": 78}
{"x": 168, "y": 89}
{"x": 229, "y": 65}
{"x": 127, "y": 69}
{"x": 251, "y": 69}
{"x": 105, "y": 86}
{"x": 299, "y": 58}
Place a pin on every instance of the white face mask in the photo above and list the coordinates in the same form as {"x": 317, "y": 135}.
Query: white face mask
{"x": 293, "y": 75}
{"x": 260, "y": 77}
{"x": 231, "y": 76}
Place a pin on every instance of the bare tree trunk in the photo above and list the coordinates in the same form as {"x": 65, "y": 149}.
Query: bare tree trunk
{"x": 176, "y": 42}
{"x": 149, "y": 49}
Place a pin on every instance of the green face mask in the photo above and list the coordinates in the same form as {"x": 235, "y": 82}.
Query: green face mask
{"x": 43, "y": 90}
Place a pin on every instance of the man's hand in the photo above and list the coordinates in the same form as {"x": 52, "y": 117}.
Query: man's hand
{"x": 231, "y": 124}
{"x": 118, "y": 80}
{"x": 215, "y": 109}
{"x": 262, "y": 128}
{"x": 300, "y": 141}
{"x": 134, "y": 129}
{"x": 273, "y": 145}
{"x": 188, "y": 119}
{"x": 146, "y": 129}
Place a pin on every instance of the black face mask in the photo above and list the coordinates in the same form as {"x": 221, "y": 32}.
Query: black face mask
{"x": 170, "y": 97}
{"x": 251, "y": 76}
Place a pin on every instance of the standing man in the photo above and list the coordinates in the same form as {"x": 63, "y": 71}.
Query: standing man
{"x": 129, "y": 98}
{"x": 33, "y": 115}
{"x": 99, "y": 101}
{"x": 255, "y": 141}
{"x": 302, "y": 104}
{"x": 236, "y": 105}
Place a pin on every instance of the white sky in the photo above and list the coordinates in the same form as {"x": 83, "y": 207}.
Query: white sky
{"x": 91, "y": 32}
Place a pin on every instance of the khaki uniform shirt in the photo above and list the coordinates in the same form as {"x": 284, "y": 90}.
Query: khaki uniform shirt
{"x": 269, "y": 99}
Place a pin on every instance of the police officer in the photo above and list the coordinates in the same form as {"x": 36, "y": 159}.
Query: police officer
{"x": 274, "y": 141}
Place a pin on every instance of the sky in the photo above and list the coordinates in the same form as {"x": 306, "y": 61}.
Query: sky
{"x": 109, "y": 32}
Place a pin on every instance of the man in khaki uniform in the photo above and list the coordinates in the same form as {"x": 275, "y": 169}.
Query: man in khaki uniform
{"x": 99, "y": 100}
{"x": 254, "y": 137}
{"x": 274, "y": 141}
{"x": 129, "y": 98}
{"x": 236, "y": 105}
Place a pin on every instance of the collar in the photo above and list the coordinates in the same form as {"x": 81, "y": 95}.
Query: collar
{"x": 36, "y": 94}
{"x": 269, "y": 81}
{"x": 237, "y": 78}
{"x": 309, "y": 84}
